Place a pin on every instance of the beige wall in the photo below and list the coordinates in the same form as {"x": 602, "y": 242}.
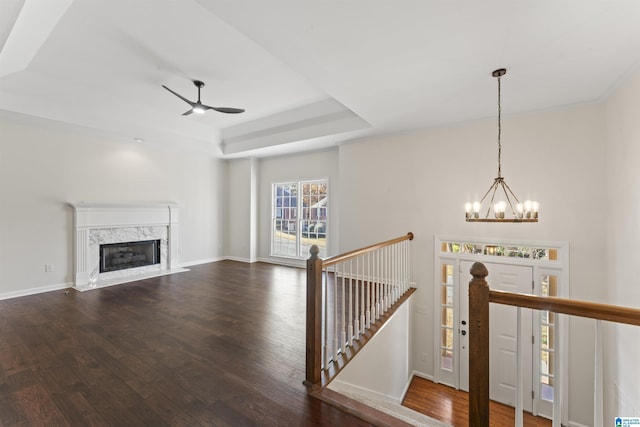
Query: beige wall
{"x": 43, "y": 166}
{"x": 239, "y": 207}
{"x": 420, "y": 181}
{"x": 622, "y": 285}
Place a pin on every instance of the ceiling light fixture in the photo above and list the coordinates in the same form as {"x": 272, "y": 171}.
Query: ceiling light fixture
{"x": 521, "y": 212}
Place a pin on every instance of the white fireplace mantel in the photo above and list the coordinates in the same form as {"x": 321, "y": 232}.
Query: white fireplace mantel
{"x": 96, "y": 223}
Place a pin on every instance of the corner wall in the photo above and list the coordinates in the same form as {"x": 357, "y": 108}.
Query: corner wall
{"x": 241, "y": 221}
{"x": 622, "y": 199}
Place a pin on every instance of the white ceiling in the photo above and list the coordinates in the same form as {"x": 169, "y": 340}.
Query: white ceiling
{"x": 309, "y": 73}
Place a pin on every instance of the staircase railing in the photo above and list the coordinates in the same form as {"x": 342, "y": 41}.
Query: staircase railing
{"x": 479, "y": 298}
{"x": 349, "y": 296}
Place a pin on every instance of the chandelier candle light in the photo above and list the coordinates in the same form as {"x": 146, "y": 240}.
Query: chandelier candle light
{"x": 521, "y": 212}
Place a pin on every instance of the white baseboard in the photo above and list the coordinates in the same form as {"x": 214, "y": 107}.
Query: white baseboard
{"x": 406, "y": 387}
{"x": 299, "y": 263}
{"x": 347, "y": 388}
{"x": 201, "y": 261}
{"x": 33, "y": 291}
{"x": 270, "y": 260}
{"x": 238, "y": 259}
{"x": 386, "y": 404}
{"x": 129, "y": 279}
{"x": 417, "y": 374}
{"x": 423, "y": 375}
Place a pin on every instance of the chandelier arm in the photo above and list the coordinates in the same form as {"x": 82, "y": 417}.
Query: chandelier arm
{"x": 488, "y": 191}
{"x": 514, "y": 196}
{"x": 505, "y": 187}
{"x": 511, "y": 192}
{"x": 493, "y": 195}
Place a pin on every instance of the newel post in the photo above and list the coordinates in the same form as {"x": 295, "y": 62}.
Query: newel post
{"x": 479, "y": 347}
{"x": 314, "y": 317}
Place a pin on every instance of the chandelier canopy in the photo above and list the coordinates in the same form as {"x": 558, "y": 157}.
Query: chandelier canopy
{"x": 520, "y": 212}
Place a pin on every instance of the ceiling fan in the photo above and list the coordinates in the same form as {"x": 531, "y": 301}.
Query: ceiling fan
{"x": 198, "y": 107}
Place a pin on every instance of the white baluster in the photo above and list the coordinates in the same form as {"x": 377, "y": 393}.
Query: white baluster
{"x": 387, "y": 296}
{"x": 396, "y": 282}
{"x": 558, "y": 375}
{"x": 325, "y": 338}
{"x": 356, "y": 321}
{"x": 401, "y": 266}
{"x": 350, "y": 303}
{"x": 361, "y": 285}
{"x": 336, "y": 347}
{"x": 378, "y": 285}
{"x": 389, "y": 277}
{"x": 382, "y": 287}
{"x": 519, "y": 382}
{"x": 368, "y": 286}
{"x": 343, "y": 335}
{"x": 405, "y": 260}
{"x": 597, "y": 387}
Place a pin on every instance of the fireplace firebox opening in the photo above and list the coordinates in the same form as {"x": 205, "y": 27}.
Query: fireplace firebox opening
{"x": 120, "y": 256}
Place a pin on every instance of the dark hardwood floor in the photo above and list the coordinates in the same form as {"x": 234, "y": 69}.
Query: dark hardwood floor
{"x": 220, "y": 345}
{"x": 452, "y": 406}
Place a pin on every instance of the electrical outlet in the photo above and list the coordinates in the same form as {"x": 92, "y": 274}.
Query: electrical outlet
{"x": 423, "y": 358}
{"x": 48, "y": 268}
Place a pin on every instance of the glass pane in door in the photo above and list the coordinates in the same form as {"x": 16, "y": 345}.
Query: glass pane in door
{"x": 446, "y": 317}
{"x": 549, "y": 288}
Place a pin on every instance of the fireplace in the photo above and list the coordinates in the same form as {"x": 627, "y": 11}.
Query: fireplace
{"x": 120, "y": 256}
{"x": 108, "y": 240}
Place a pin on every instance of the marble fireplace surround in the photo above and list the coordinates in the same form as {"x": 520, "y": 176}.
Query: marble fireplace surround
{"x": 96, "y": 224}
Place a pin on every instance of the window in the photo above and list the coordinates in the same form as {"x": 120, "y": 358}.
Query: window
{"x": 300, "y": 211}
{"x": 549, "y": 288}
{"x": 446, "y": 317}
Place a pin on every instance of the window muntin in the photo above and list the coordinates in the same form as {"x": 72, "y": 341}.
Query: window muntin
{"x": 548, "y": 288}
{"x": 446, "y": 316}
{"x": 300, "y": 211}
{"x": 527, "y": 252}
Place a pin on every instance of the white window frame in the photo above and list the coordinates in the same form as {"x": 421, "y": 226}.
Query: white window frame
{"x": 300, "y": 254}
{"x": 559, "y": 268}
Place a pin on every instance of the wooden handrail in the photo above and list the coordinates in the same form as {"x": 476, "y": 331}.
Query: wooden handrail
{"x": 479, "y": 298}
{"x": 357, "y": 252}
{"x": 591, "y": 310}
{"x": 315, "y": 267}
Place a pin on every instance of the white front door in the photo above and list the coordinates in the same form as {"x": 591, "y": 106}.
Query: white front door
{"x": 503, "y": 333}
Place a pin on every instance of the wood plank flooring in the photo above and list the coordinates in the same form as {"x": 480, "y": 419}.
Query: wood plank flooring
{"x": 220, "y": 345}
{"x": 451, "y": 406}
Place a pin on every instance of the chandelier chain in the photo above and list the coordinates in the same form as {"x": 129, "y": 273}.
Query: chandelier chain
{"x": 499, "y": 132}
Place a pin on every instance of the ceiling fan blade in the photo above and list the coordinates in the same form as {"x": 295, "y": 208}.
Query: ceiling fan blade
{"x": 186, "y": 113}
{"x": 179, "y": 96}
{"x": 225, "y": 109}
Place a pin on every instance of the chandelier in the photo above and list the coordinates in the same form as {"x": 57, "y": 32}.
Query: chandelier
{"x": 520, "y": 212}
